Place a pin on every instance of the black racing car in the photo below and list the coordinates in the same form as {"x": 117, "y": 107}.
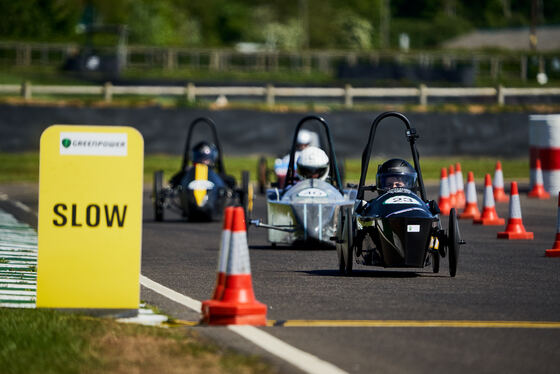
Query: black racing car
{"x": 399, "y": 227}
{"x": 201, "y": 189}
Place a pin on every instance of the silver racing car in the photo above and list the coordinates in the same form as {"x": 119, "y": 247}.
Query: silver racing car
{"x": 303, "y": 211}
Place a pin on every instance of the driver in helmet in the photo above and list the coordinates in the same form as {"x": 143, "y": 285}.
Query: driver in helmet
{"x": 303, "y": 140}
{"x": 313, "y": 163}
{"x": 205, "y": 153}
{"x": 395, "y": 173}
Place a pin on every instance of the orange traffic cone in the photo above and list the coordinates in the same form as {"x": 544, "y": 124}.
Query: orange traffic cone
{"x": 224, "y": 253}
{"x": 499, "y": 193}
{"x": 471, "y": 208}
{"x": 236, "y": 303}
{"x": 443, "y": 202}
{"x": 515, "y": 228}
{"x": 452, "y": 187}
{"x": 461, "y": 199}
{"x": 538, "y": 190}
{"x": 555, "y": 251}
{"x": 489, "y": 216}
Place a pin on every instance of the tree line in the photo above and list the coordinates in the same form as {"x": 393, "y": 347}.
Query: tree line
{"x": 274, "y": 24}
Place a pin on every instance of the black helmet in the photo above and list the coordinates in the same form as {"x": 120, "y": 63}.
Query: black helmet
{"x": 395, "y": 173}
{"x": 205, "y": 153}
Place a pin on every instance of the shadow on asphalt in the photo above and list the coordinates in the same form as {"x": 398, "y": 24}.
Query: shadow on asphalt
{"x": 364, "y": 273}
{"x": 301, "y": 247}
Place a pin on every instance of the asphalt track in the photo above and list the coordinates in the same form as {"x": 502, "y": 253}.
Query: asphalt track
{"x": 489, "y": 319}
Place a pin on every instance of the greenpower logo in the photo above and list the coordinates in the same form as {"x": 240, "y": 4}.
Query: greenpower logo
{"x": 66, "y": 142}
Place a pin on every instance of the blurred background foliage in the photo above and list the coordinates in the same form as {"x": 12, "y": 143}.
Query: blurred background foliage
{"x": 274, "y": 24}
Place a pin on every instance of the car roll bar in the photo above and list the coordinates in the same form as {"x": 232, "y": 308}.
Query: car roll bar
{"x": 411, "y": 136}
{"x": 290, "y": 175}
{"x": 212, "y": 125}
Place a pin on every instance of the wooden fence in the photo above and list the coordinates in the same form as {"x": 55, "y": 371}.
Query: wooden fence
{"x": 269, "y": 94}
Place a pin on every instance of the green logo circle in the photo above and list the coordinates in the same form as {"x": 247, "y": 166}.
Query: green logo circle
{"x": 66, "y": 142}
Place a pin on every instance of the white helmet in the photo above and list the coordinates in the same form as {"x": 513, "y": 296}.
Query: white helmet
{"x": 313, "y": 163}
{"x": 304, "y": 137}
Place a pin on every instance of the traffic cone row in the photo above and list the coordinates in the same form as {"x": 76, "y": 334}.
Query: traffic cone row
{"x": 489, "y": 215}
{"x": 461, "y": 199}
{"x": 499, "y": 192}
{"x": 471, "y": 207}
{"x": 451, "y": 190}
{"x": 555, "y": 250}
{"x": 538, "y": 190}
{"x": 515, "y": 228}
{"x": 233, "y": 301}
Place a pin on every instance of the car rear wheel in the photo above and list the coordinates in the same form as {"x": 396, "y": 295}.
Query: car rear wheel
{"x": 344, "y": 244}
{"x": 157, "y": 196}
{"x": 453, "y": 240}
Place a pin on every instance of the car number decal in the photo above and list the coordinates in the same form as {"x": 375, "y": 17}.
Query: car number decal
{"x": 413, "y": 228}
{"x": 312, "y": 192}
{"x": 401, "y": 200}
{"x": 201, "y": 185}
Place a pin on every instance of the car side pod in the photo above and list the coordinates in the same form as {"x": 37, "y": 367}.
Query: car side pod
{"x": 499, "y": 193}
{"x": 489, "y": 216}
{"x": 538, "y": 190}
{"x": 235, "y": 304}
{"x": 444, "y": 202}
{"x": 555, "y": 250}
{"x": 515, "y": 228}
{"x": 471, "y": 208}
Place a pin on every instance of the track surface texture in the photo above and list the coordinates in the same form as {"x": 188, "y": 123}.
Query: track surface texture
{"x": 497, "y": 280}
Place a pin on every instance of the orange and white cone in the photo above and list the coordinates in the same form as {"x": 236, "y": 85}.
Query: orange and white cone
{"x": 471, "y": 208}
{"x": 499, "y": 193}
{"x": 461, "y": 199}
{"x": 538, "y": 190}
{"x": 224, "y": 253}
{"x": 452, "y": 187}
{"x": 489, "y": 217}
{"x": 555, "y": 251}
{"x": 443, "y": 202}
{"x": 237, "y": 304}
{"x": 515, "y": 228}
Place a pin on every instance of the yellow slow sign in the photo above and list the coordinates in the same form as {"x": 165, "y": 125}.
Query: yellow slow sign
{"x": 90, "y": 217}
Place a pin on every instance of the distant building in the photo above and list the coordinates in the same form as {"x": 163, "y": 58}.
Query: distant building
{"x": 548, "y": 39}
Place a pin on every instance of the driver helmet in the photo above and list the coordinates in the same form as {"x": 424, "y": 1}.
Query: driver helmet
{"x": 205, "y": 153}
{"x": 303, "y": 140}
{"x": 395, "y": 173}
{"x": 313, "y": 163}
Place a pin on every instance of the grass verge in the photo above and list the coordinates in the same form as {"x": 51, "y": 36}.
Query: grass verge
{"x": 44, "y": 341}
{"x": 24, "y": 167}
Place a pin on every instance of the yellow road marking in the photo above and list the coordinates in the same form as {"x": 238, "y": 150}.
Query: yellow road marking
{"x": 397, "y": 323}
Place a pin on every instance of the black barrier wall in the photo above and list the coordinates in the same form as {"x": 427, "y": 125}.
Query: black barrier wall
{"x": 244, "y": 132}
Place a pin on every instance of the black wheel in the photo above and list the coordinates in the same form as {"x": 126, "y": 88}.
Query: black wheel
{"x": 435, "y": 262}
{"x": 453, "y": 242}
{"x": 246, "y": 198}
{"x": 344, "y": 244}
{"x": 157, "y": 196}
{"x": 262, "y": 174}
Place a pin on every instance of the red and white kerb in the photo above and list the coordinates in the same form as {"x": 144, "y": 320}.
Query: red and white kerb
{"x": 544, "y": 143}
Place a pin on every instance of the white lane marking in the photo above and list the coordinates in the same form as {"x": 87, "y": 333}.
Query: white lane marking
{"x": 170, "y": 294}
{"x": 8, "y": 293}
{"x": 300, "y": 359}
{"x": 3, "y": 284}
{"x": 18, "y": 281}
{"x": 30, "y": 305}
{"x": 16, "y": 297}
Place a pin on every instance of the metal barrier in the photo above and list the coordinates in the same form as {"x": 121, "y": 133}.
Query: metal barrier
{"x": 270, "y": 93}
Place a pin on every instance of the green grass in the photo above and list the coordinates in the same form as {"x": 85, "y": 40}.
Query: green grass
{"x": 45, "y": 341}
{"x": 24, "y": 167}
